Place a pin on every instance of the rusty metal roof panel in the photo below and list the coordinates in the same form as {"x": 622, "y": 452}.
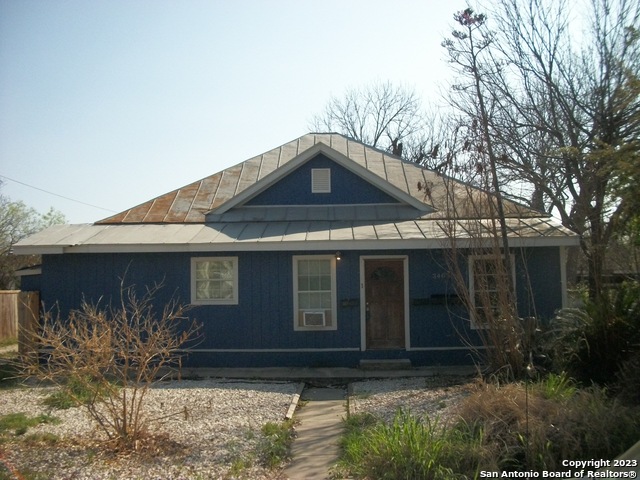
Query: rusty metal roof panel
{"x": 191, "y": 203}
{"x": 269, "y": 162}
{"x": 182, "y": 204}
{"x": 249, "y": 174}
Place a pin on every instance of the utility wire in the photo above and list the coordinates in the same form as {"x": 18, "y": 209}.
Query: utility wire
{"x": 57, "y": 195}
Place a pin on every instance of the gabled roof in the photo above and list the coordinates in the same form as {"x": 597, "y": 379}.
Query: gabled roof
{"x": 216, "y": 213}
{"x": 414, "y": 185}
{"x": 320, "y": 147}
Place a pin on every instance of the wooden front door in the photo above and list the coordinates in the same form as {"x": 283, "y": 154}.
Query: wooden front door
{"x": 384, "y": 301}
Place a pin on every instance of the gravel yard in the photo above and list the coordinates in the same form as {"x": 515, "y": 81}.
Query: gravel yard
{"x": 433, "y": 397}
{"x": 218, "y": 434}
{"x": 215, "y": 438}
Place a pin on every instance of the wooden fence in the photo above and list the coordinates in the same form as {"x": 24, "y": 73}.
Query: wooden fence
{"x": 28, "y": 318}
{"x": 8, "y": 314}
{"x": 19, "y": 314}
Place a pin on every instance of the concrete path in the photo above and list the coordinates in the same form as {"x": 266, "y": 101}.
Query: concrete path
{"x": 315, "y": 449}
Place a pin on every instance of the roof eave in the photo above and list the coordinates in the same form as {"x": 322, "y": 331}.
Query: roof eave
{"x": 306, "y": 245}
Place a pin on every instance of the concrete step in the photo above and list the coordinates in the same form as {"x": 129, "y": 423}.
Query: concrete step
{"x": 386, "y": 364}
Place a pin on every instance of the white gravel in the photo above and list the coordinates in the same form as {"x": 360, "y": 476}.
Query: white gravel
{"x": 426, "y": 397}
{"x": 220, "y": 430}
{"x": 215, "y": 439}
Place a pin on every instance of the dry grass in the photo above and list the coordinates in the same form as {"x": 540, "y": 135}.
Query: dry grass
{"x": 528, "y": 430}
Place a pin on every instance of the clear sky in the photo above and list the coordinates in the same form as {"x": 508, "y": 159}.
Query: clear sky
{"x": 114, "y": 102}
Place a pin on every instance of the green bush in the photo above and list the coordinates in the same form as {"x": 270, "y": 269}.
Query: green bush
{"x": 591, "y": 343}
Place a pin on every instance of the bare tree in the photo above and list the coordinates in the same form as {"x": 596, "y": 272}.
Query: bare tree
{"x": 381, "y": 115}
{"x": 562, "y": 117}
{"x": 466, "y": 51}
{"x": 112, "y": 356}
{"x": 18, "y": 221}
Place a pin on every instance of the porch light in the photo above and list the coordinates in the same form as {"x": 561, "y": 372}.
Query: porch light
{"x": 338, "y": 256}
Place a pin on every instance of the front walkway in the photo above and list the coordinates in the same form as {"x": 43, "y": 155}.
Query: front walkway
{"x": 318, "y": 429}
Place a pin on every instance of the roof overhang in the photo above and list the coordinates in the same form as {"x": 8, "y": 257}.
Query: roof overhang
{"x": 284, "y": 236}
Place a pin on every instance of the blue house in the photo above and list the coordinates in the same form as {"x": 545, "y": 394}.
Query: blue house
{"x": 321, "y": 252}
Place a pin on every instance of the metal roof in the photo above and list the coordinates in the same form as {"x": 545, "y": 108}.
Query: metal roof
{"x": 191, "y": 203}
{"x": 212, "y": 214}
{"x": 288, "y": 235}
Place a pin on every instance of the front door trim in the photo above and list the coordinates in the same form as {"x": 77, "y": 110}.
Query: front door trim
{"x": 363, "y": 297}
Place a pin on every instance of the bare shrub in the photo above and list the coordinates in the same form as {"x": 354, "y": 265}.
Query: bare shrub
{"x": 526, "y": 430}
{"x": 112, "y": 356}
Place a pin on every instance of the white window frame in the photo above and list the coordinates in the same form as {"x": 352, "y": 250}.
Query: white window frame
{"x": 320, "y": 180}
{"x": 214, "y": 301}
{"x": 472, "y": 291}
{"x": 297, "y": 311}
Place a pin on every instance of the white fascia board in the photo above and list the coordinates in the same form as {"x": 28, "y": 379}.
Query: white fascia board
{"x": 269, "y": 180}
{"x": 329, "y": 245}
{"x": 307, "y": 155}
{"x": 375, "y": 180}
{"x": 38, "y": 249}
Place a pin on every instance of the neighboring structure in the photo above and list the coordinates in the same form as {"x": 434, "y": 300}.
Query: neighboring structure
{"x": 321, "y": 252}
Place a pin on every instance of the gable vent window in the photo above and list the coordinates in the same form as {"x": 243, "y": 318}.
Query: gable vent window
{"x": 320, "y": 180}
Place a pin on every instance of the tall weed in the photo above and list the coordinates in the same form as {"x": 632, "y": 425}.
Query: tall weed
{"x": 408, "y": 448}
{"x": 276, "y": 441}
{"x": 557, "y": 386}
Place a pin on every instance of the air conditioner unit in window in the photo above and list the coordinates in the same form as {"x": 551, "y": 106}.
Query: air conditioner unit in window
{"x": 313, "y": 319}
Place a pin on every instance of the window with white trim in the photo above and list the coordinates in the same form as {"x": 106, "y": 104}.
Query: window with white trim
{"x": 314, "y": 292}
{"x": 214, "y": 281}
{"x": 488, "y": 286}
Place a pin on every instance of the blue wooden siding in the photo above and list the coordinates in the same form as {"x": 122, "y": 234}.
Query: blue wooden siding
{"x": 31, "y": 283}
{"x": 263, "y": 319}
{"x": 346, "y": 188}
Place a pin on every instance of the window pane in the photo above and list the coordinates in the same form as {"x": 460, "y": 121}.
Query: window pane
{"x": 214, "y": 279}
{"x": 314, "y": 267}
{"x": 202, "y": 270}
{"x": 303, "y": 301}
{"x": 202, "y": 291}
{"x": 324, "y": 267}
{"x": 325, "y": 300}
{"x": 303, "y": 267}
{"x": 314, "y": 300}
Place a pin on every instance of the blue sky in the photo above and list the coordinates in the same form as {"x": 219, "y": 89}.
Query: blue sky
{"x": 115, "y": 102}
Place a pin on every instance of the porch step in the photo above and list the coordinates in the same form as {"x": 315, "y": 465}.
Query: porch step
{"x": 386, "y": 364}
